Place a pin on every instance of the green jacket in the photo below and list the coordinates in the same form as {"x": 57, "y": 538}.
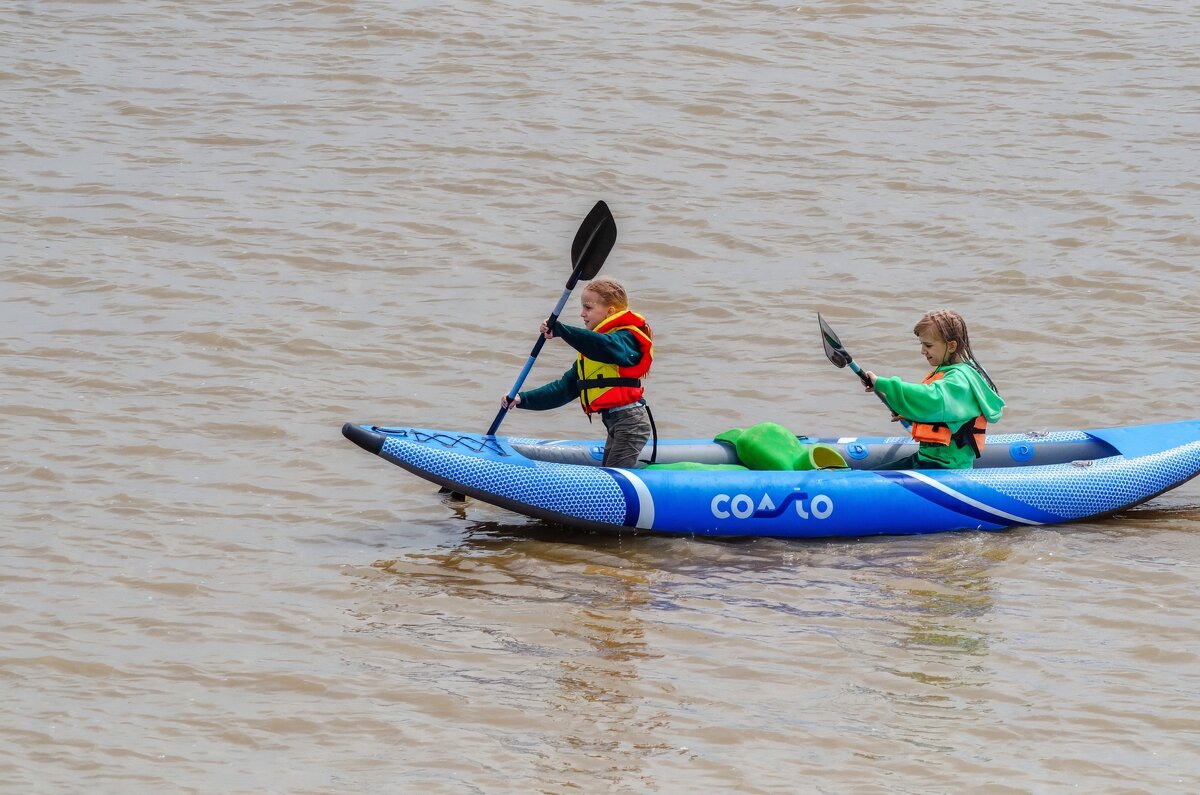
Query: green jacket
{"x": 619, "y": 347}
{"x": 958, "y": 397}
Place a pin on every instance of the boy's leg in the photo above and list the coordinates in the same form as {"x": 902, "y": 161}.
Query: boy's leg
{"x": 628, "y": 432}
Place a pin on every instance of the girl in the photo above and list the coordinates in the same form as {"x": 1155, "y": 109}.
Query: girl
{"x": 951, "y": 407}
{"x": 615, "y": 350}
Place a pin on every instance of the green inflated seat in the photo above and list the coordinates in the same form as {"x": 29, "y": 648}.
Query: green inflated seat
{"x": 769, "y": 447}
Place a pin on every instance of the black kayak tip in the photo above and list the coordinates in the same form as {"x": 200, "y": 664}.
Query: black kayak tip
{"x": 369, "y": 440}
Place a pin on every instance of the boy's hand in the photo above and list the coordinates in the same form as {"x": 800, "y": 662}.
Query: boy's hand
{"x": 510, "y": 404}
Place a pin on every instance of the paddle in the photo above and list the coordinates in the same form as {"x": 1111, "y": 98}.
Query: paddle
{"x": 840, "y": 357}
{"x": 593, "y": 241}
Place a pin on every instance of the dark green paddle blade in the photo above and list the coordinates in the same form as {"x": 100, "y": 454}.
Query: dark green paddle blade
{"x": 840, "y": 357}
{"x": 834, "y": 350}
{"x": 595, "y": 238}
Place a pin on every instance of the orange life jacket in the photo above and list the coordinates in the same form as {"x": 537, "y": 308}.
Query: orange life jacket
{"x": 607, "y": 386}
{"x": 972, "y": 434}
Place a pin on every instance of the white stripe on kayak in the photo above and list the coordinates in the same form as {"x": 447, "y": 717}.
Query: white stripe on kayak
{"x": 969, "y": 501}
{"x": 645, "y": 519}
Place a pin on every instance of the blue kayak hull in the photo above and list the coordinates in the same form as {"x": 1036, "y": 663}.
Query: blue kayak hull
{"x": 1029, "y": 479}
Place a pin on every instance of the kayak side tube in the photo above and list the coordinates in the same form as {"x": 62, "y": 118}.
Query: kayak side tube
{"x": 489, "y": 469}
{"x": 1138, "y": 464}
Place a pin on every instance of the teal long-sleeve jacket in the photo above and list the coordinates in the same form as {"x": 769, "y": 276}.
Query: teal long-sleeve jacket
{"x": 619, "y": 347}
{"x": 959, "y": 396}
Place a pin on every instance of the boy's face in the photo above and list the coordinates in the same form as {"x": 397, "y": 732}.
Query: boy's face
{"x": 594, "y": 310}
{"x": 935, "y": 349}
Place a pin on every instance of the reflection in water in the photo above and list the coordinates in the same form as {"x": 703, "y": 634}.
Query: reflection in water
{"x": 922, "y": 618}
{"x": 947, "y": 591}
{"x": 579, "y": 658}
{"x": 565, "y": 653}
{"x": 917, "y": 613}
{"x": 934, "y": 595}
{"x": 582, "y": 606}
{"x": 603, "y": 727}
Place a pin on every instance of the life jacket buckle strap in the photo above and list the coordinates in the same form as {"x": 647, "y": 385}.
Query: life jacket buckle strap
{"x": 603, "y": 382}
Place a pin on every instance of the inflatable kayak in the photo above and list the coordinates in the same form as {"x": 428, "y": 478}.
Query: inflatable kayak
{"x": 1022, "y": 479}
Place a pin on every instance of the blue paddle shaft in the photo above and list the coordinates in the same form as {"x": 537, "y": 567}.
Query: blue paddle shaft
{"x": 537, "y": 348}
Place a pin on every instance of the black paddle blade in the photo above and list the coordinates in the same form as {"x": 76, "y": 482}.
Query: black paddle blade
{"x": 593, "y": 241}
{"x": 834, "y": 349}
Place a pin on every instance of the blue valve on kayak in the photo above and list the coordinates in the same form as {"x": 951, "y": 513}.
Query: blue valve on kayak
{"x": 856, "y": 450}
{"x": 1021, "y": 451}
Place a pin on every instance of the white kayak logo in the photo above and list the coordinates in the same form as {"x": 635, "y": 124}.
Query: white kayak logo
{"x": 743, "y": 506}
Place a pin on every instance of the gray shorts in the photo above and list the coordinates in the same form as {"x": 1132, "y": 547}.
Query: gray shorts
{"x": 628, "y": 432}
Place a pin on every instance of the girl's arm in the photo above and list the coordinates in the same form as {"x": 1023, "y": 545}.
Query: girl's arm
{"x": 949, "y": 400}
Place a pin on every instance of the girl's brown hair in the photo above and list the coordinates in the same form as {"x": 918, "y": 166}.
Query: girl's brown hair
{"x": 951, "y": 327}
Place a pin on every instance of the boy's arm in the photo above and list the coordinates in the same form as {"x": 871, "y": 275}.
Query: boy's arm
{"x": 552, "y": 395}
{"x": 618, "y": 348}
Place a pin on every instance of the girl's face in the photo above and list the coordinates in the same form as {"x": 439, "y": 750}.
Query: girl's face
{"x": 935, "y": 349}
{"x": 594, "y": 310}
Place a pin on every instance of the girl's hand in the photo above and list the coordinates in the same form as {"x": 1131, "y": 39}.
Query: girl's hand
{"x": 510, "y": 404}
{"x": 870, "y": 377}
{"x": 547, "y": 332}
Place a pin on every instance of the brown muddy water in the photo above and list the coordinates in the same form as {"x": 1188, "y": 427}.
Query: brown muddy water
{"x": 230, "y": 227}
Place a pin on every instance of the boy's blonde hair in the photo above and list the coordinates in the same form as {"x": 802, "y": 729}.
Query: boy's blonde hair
{"x": 610, "y": 292}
